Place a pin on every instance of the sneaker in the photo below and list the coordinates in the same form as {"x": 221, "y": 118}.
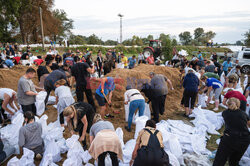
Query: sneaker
{"x": 216, "y": 109}
{"x": 128, "y": 129}
{"x": 39, "y": 156}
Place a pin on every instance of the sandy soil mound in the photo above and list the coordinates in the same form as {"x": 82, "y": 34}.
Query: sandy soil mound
{"x": 9, "y": 79}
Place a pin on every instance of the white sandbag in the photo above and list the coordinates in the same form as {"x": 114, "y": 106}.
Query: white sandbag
{"x": 196, "y": 160}
{"x": 245, "y": 81}
{"x": 26, "y": 62}
{"x": 147, "y": 112}
{"x": 43, "y": 122}
{"x": 128, "y": 150}
{"x": 28, "y": 158}
{"x": 202, "y": 100}
{"x": 51, "y": 148}
{"x": 175, "y": 148}
{"x": 140, "y": 124}
{"x": 75, "y": 150}
{"x": 119, "y": 132}
{"x": 62, "y": 145}
{"x": 120, "y": 66}
{"x": 70, "y": 162}
{"x": 48, "y": 161}
{"x": 14, "y": 161}
{"x": 10, "y": 133}
{"x": 86, "y": 156}
{"x": 51, "y": 100}
{"x": 172, "y": 159}
{"x": 222, "y": 78}
{"x": 40, "y": 105}
{"x": 88, "y": 164}
{"x": 94, "y": 75}
{"x": 245, "y": 160}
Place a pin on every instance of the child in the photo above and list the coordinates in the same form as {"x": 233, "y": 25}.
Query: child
{"x": 64, "y": 98}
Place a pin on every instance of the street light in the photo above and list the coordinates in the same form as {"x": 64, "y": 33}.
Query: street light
{"x": 120, "y": 15}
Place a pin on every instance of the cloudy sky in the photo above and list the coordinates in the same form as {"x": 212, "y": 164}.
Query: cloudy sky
{"x": 228, "y": 18}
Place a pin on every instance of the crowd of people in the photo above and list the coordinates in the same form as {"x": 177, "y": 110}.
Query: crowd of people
{"x": 73, "y": 70}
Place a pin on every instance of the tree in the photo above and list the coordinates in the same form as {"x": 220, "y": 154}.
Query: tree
{"x": 247, "y": 38}
{"x": 239, "y": 43}
{"x": 111, "y": 42}
{"x": 174, "y": 42}
{"x": 185, "y": 38}
{"x": 150, "y": 37}
{"x": 198, "y": 33}
{"x": 77, "y": 39}
{"x": 93, "y": 39}
{"x": 167, "y": 45}
{"x": 65, "y": 25}
{"x": 209, "y": 35}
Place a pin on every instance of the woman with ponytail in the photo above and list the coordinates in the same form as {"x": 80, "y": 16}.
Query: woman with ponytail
{"x": 79, "y": 118}
{"x": 236, "y": 136}
{"x": 30, "y": 135}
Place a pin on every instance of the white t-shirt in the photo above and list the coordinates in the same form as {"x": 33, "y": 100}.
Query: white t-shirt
{"x": 7, "y": 91}
{"x": 129, "y": 97}
{"x": 50, "y": 53}
{"x": 63, "y": 91}
{"x": 55, "y": 52}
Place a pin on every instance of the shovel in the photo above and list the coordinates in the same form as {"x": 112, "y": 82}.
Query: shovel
{"x": 116, "y": 112}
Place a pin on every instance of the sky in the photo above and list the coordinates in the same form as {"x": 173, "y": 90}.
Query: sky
{"x": 229, "y": 19}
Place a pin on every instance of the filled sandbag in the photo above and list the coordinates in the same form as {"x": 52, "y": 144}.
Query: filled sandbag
{"x": 140, "y": 124}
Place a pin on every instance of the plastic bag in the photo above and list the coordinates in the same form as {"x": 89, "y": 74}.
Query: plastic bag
{"x": 222, "y": 78}
{"x": 70, "y": 162}
{"x": 194, "y": 160}
{"x": 51, "y": 148}
{"x": 51, "y": 100}
{"x": 119, "y": 132}
{"x": 172, "y": 159}
{"x": 202, "y": 100}
{"x": 48, "y": 161}
{"x": 120, "y": 66}
{"x": 40, "y": 105}
{"x": 13, "y": 162}
{"x": 28, "y": 158}
{"x": 175, "y": 148}
{"x": 147, "y": 112}
{"x": 140, "y": 124}
{"x": 108, "y": 160}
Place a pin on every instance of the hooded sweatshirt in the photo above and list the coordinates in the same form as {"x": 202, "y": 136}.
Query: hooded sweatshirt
{"x": 191, "y": 82}
{"x": 30, "y": 136}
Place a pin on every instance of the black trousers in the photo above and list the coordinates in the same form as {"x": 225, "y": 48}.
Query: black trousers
{"x": 80, "y": 89}
{"x": 113, "y": 156}
{"x": 158, "y": 106}
{"x": 48, "y": 89}
{"x": 243, "y": 105}
{"x": 61, "y": 117}
{"x": 3, "y": 116}
{"x": 231, "y": 149}
{"x": 31, "y": 107}
{"x": 187, "y": 96}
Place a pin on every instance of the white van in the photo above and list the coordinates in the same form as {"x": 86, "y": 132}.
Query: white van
{"x": 244, "y": 60}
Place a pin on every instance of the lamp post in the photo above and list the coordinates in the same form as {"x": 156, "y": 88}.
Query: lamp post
{"x": 41, "y": 19}
{"x": 120, "y": 15}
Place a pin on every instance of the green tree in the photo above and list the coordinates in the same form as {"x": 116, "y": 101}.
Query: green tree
{"x": 247, "y": 38}
{"x": 93, "y": 39}
{"x": 65, "y": 25}
{"x": 185, "y": 38}
{"x": 77, "y": 39}
{"x": 198, "y": 33}
{"x": 150, "y": 37}
{"x": 167, "y": 46}
{"x": 174, "y": 42}
{"x": 239, "y": 43}
{"x": 111, "y": 42}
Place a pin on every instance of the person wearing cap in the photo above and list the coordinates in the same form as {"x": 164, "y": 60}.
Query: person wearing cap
{"x": 160, "y": 91}
{"x": 136, "y": 100}
{"x": 225, "y": 65}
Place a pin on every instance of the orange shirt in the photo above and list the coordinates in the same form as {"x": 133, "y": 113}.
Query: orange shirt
{"x": 150, "y": 60}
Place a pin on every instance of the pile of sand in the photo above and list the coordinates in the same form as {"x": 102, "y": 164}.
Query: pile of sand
{"x": 9, "y": 79}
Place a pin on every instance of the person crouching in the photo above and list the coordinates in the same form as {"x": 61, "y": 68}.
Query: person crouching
{"x": 30, "y": 135}
{"x": 104, "y": 140}
{"x": 64, "y": 98}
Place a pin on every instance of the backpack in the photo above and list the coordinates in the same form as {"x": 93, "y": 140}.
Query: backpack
{"x": 152, "y": 154}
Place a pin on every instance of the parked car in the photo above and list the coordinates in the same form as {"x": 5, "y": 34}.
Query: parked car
{"x": 244, "y": 60}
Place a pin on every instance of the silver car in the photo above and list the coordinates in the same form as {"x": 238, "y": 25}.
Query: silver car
{"x": 244, "y": 61}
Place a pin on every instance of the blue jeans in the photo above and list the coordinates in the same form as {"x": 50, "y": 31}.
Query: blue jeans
{"x": 134, "y": 105}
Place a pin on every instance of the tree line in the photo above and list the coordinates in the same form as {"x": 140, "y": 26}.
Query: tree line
{"x": 20, "y": 21}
